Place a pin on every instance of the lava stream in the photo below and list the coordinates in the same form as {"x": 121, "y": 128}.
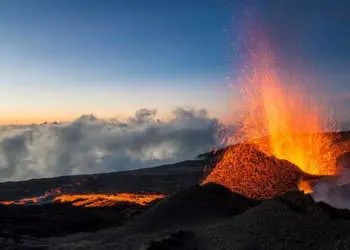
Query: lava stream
{"x": 106, "y": 200}
{"x": 88, "y": 200}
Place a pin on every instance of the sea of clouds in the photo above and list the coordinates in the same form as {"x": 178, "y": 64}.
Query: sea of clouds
{"x": 91, "y": 145}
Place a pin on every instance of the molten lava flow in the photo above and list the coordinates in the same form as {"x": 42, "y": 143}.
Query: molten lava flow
{"x": 281, "y": 120}
{"x": 33, "y": 200}
{"x": 107, "y": 200}
{"x": 89, "y": 200}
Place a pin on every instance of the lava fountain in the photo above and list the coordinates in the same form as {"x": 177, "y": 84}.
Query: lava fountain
{"x": 291, "y": 121}
{"x": 281, "y": 120}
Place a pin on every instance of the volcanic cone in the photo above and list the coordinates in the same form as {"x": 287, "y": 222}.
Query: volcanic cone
{"x": 246, "y": 170}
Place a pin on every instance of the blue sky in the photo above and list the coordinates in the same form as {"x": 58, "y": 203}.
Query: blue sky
{"x": 125, "y": 47}
{"x": 119, "y": 38}
{"x": 112, "y": 57}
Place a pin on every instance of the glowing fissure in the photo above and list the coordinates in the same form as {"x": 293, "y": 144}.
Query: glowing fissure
{"x": 107, "y": 200}
{"x": 33, "y": 200}
{"x": 89, "y": 200}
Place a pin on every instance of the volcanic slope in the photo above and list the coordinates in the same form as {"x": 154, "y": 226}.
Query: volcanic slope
{"x": 291, "y": 221}
{"x": 286, "y": 222}
{"x": 190, "y": 208}
{"x": 197, "y": 206}
{"x": 247, "y": 171}
{"x": 243, "y": 213}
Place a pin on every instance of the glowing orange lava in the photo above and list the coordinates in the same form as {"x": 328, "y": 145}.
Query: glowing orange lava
{"x": 281, "y": 120}
{"x": 33, "y": 200}
{"x": 292, "y": 120}
{"x": 90, "y": 200}
{"x": 107, "y": 200}
{"x": 304, "y": 186}
{"x": 244, "y": 169}
{"x": 294, "y": 129}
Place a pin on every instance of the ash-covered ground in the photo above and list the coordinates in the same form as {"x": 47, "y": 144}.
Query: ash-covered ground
{"x": 192, "y": 216}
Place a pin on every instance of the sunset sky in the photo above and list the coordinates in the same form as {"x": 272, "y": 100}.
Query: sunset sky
{"x": 60, "y": 59}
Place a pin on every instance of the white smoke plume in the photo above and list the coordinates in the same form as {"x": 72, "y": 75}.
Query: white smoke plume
{"x": 335, "y": 190}
{"x": 91, "y": 145}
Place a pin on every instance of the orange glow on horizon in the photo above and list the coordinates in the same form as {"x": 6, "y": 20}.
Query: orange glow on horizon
{"x": 38, "y": 118}
{"x": 49, "y": 118}
{"x": 31, "y": 120}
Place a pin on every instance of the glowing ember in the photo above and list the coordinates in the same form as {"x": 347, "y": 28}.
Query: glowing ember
{"x": 304, "y": 186}
{"x": 107, "y": 200}
{"x": 291, "y": 120}
{"x": 246, "y": 170}
{"x": 90, "y": 200}
{"x": 281, "y": 121}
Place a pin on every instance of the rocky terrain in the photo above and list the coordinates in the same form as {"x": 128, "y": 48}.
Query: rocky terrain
{"x": 192, "y": 216}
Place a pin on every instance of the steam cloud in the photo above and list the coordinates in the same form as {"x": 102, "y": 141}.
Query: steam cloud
{"x": 334, "y": 190}
{"x": 90, "y": 145}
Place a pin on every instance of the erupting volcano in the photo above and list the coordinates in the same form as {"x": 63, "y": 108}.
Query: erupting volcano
{"x": 286, "y": 124}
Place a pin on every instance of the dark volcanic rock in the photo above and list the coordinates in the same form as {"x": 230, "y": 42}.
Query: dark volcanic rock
{"x": 195, "y": 206}
{"x": 293, "y": 221}
{"x": 193, "y": 217}
{"x": 302, "y": 204}
{"x": 184, "y": 240}
{"x": 224, "y": 221}
{"x": 62, "y": 219}
{"x": 162, "y": 179}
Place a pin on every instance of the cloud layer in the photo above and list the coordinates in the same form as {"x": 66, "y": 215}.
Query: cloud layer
{"x": 91, "y": 145}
